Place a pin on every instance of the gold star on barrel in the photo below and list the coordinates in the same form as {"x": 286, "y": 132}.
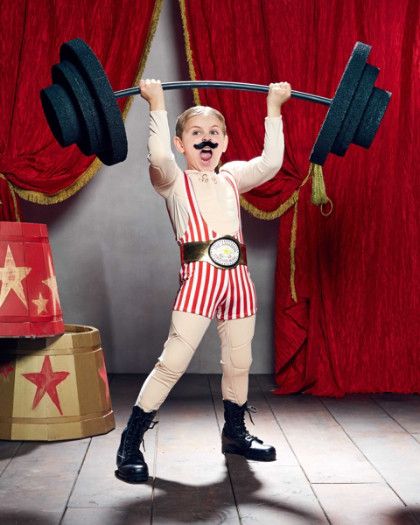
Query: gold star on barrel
{"x": 11, "y": 277}
{"x": 41, "y": 304}
{"x": 29, "y": 304}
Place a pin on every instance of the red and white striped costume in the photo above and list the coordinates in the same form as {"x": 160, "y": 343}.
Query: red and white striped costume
{"x": 205, "y": 289}
{"x": 205, "y": 206}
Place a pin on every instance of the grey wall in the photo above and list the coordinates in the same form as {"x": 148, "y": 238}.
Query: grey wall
{"x": 114, "y": 251}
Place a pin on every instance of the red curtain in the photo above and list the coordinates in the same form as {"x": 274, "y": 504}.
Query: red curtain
{"x": 119, "y": 31}
{"x": 354, "y": 326}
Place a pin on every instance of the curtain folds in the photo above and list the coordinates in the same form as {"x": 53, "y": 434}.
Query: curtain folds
{"x": 119, "y": 32}
{"x": 352, "y": 324}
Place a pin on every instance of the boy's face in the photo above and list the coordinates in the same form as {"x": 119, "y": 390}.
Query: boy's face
{"x": 198, "y": 129}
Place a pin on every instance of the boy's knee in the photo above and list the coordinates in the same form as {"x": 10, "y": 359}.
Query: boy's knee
{"x": 236, "y": 338}
{"x": 241, "y": 357}
{"x": 176, "y": 355}
{"x": 184, "y": 337}
{"x": 190, "y": 328}
{"x": 168, "y": 372}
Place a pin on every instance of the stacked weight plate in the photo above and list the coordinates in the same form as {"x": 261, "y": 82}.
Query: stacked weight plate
{"x": 355, "y": 111}
{"x": 81, "y": 107}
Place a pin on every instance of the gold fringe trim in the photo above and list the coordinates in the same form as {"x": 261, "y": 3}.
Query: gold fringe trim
{"x": 41, "y": 198}
{"x": 89, "y": 173}
{"x": 270, "y": 215}
{"x": 264, "y": 215}
{"x": 12, "y": 191}
{"x": 188, "y": 50}
{"x": 292, "y": 253}
{"x": 152, "y": 30}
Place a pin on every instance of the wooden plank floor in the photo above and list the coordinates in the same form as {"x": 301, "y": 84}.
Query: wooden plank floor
{"x": 350, "y": 461}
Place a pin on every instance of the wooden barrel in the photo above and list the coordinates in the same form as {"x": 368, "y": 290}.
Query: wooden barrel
{"x": 54, "y": 388}
{"x": 29, "y": 302}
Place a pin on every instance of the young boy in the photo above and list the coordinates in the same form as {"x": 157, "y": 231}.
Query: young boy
{"x": 204, "y": 209}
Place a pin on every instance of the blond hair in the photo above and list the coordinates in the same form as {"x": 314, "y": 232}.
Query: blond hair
{"x": 193, "y": 112}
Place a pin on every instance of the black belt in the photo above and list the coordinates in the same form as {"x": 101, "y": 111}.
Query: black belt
{"x": 225, "y": 252}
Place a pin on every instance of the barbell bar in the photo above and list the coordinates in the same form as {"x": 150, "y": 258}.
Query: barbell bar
{"x": 81, "y": 107}
{"x": 216, "y": 84}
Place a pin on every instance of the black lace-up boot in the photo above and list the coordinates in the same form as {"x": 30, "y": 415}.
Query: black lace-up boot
{"x": 130, "y": 461}
{"x": 237, "y": 440}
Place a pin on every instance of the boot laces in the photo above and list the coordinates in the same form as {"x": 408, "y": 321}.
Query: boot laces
{"x": 135, "y": 433}
{"x": 239, "y": 422}
{"x": 250, "y": 409}
{"x": 152, "y": 426}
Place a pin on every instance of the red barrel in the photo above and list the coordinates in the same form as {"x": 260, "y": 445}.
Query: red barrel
{"x": 29, "y": 302}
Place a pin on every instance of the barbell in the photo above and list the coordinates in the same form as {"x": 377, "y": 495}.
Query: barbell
{"x": 81, "y": 107}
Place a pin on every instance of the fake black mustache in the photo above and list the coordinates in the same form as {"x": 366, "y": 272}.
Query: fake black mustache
{"x": 205, "y": 143}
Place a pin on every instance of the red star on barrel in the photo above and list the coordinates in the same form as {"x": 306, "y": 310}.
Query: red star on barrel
{"x": 46, "y": 381}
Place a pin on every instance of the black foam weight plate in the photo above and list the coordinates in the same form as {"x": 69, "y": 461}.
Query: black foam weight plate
{"x": 355, "y": 111}
{"x": 67, "y": 75}
{"x": 61, "y": 115}
{"x": 113, "y": 144}
{"x": 340, "y": 103}
{"x": 372, "y": 117}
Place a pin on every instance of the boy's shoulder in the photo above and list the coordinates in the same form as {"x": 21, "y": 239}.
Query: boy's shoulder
{"x": 233, "y": 166}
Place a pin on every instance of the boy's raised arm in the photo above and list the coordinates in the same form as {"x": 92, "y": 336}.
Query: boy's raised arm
{"x": 255, "y": 172}
{"x": 163, "y": 168}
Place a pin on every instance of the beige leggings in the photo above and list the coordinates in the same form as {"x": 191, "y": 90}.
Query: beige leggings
{"x": 185, "y": 334}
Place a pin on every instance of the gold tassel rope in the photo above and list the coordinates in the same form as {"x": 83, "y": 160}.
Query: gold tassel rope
{"x": 319, "y": 193}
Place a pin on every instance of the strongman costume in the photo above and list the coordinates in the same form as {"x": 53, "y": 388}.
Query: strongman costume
{"x": 204, "y": 207}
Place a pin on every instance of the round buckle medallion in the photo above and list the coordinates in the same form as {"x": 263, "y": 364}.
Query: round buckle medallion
{"x": 225, "y": 252}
